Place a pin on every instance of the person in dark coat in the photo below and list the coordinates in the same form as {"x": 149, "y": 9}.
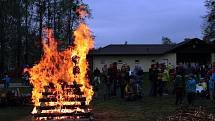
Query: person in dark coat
{"x": 96, "y": 81}
{"x": 151, "y": 80}
{"x": 96, "y": 72}
{"x": 153, "y": 75}
{"x": 160, "y": 82}
{"x": 6, "y": 80}
{"x": 179, "y": 89}
{"x": 112, "y": 73}
{"x": 109, "y": 82}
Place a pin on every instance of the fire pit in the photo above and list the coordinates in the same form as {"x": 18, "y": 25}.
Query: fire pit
{"x": 60, "y": 86}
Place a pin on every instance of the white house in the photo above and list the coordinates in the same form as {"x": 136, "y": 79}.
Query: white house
{"x": 192, "y": 50}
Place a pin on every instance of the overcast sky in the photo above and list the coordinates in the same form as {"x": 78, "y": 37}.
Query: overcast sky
{"x": 145, "y": 21}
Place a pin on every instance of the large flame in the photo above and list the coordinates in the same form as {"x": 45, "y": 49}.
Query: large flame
{"x": 55, "y": 66}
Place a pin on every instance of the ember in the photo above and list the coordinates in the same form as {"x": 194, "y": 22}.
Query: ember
{"x": 61, "y": 89}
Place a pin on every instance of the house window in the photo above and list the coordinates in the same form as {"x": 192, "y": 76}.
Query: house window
{"x": 119, "y": 61}
{"x": 194, "y": 46}
{"x": 137, "y": 61}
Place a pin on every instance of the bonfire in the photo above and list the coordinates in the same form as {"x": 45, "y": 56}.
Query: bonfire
{"x": 61, "y": 89}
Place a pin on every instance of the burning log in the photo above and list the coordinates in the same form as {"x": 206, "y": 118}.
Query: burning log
{"x": 74, "y": 86}
{"x": 81, "y": 99}
{"x": 62, "y": 107}
{"x": 48, "y": 100}
{"x": 85, "y": 115}
{"x": 48, "y": 93}
{"x": 75, "y": 59}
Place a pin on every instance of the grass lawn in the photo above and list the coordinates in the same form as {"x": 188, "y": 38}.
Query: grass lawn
{"x": 116, "y": 109}
{"x": 14, "y": 113}
{"x": 147, "y": 109}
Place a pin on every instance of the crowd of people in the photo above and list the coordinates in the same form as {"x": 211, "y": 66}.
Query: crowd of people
{"x": 194, "y": 79}
{"x": 183, "y": 80}
{"x": 128, "y": 82}
{"x": 186, "y": 79}
{"x": 7, "y": 79}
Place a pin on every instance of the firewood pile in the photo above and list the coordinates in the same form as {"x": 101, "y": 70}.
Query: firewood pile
{"x": 185, "y": 113}
{"x": 50, "y": 97}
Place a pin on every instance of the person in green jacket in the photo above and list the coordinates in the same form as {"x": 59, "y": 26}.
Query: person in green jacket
{"x": 166, "y": 80}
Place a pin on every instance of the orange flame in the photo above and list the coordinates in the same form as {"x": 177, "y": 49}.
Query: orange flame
{"x": 81, "y": 10}
{"x": 55, "y": 66}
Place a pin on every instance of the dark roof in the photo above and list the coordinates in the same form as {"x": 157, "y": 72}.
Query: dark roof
{"x": 144, "y": 49}
{"x": 180, "y": 45}
{"x": 186, "y": 41}
{"x": 133, "y": 49}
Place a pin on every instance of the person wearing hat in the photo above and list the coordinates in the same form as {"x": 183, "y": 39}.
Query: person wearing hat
{"x": 190, "y": 89}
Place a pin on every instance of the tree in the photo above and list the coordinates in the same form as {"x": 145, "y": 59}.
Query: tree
{"x": 166, "y": 41}
{"x": 11, "y": 32}
{"x": 209, "y": 25}
{"x": 22, "y": 23}
{"x": 2, "y": 36}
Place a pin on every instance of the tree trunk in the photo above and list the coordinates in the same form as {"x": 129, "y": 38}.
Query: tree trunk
{"x": 72, "y": 25}
{"x": 40, "y": 20}
{"x": 49, "y": 14}
{"x": 69, "y": 26}
{"x": 19, "y": 41}
{"x": 54, "y": 21}
{"x": 2, "y": 38}
{"x": 26, "y": 33}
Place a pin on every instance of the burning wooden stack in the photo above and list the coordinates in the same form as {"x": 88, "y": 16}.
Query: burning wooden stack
{"x": 76, "y": 110}
{"x": 189, "y": 114}
{"x": 61, "y": 89}
{"x": 70, "y": 104}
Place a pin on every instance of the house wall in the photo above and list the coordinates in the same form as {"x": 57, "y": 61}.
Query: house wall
{"x": 145, "y": 61}
{"x": 171, "y": 58}
{"x": 212, "y": 57}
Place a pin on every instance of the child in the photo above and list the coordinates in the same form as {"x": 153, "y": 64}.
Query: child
{"x": 190, "y": 89}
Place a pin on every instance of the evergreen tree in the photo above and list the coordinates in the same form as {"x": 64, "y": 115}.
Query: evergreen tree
{"x": 209, "y": 25}
{"x": 166, "y": 41}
